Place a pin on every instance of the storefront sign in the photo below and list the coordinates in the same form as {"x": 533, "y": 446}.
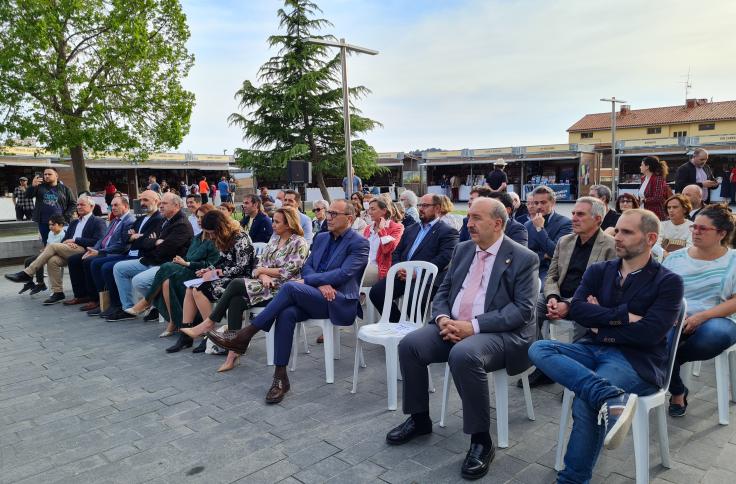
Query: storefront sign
{"x": 212, "y": 157}
{"x": 491, "y": 151}
{"x": 717, "y": 138}
{"x": 428, "y": 155}
{"x": 547, "y": 148}
{"x": 166, "y": 157}
{"x": 639, "y": 143}
{"x": 25, "y": 151}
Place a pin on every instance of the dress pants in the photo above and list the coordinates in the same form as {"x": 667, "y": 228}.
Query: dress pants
{"x": 101, "y": 270}
{"x": 470, "y": 362}
{"x": 378, "y": 295}
{"x": 76, "y": 274}
{"x": 55, "y": 256}
{"x": 293, "y": 303}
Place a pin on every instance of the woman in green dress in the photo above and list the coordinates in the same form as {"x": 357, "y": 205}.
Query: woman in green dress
{"x": 167, "y": 290}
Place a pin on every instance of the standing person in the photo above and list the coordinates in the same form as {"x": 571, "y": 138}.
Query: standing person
{"x": 204, "y": 189}
{"x": 497, "y": 179}
{"x": 654, "y": 189}
{"x": 110, "y": 190}
{"x": 696, "y": 172}
{"x": 265, "y": 197}
{"x": 410, "y": 200}
{"x": 232, "y": 188}
{"x": 255, "y": 222}
{"x": 51, "y": 197}
{"x": 455, "y": 182}
{"x": 153, "y": 184}
{"x": 183, "y": 189}
{"x": 214, "y": 195}
{"x": 224, "y": 187}
{"x": 23, "y": 203}
{"x": 293, "y": 199}
{"x": 357, "y": 185}
{"x": 545, "y": 227}
{"x": 603, "y": 193}
{"x": 732, "y": 179}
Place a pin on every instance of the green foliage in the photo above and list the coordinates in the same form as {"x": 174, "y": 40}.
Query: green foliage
{"x": 103, "y": 75}
{"x": 296, "y": 111}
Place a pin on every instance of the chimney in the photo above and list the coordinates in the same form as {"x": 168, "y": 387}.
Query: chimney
{"x": 691, "y": 103}
{"x": 625, "y": 109}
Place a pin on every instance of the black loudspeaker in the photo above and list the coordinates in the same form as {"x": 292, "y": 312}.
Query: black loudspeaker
{"x": 299, "y": 171}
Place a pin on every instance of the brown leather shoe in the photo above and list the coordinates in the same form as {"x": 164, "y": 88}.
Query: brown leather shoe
{"x": 279, "y": 389}
{"x": 236, "y": 341}
{"x": 76, "y": 300}
{"x": 90, "y": 306}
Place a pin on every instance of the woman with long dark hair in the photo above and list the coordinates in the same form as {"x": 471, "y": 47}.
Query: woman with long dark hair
{"x": 654, "y": 190}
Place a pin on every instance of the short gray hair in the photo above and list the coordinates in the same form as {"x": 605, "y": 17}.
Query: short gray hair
{"x": 603, "y": 192}
{"x": 321, "y": 202}
{"x": 411, "y": 197}
{"x": 87, "y": 199}
{"x": 545, "y": 190}
{"x": 597, "y": 209}
{"x": 175, "y": 199}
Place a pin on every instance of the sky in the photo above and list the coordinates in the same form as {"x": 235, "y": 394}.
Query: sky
{"x": 475, "y": 73}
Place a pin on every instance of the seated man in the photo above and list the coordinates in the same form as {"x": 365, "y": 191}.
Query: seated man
{"x": 133, "y": 277}
{"x": 194, "y": 201}
{"x": 545, "y": 226}
{"x": 629, "y": 305}
{"x": 428, "y": 241}
{"x": 476, "y": 192}
{"x": 573, "y": 255}
{"x": 330, "y": 289}
{"x": 255, "y": 221}
{"x": 83, "y": 232}
{"x": 483, "y": 320}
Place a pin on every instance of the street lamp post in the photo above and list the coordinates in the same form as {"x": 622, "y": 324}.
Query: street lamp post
{"x": 614, "y": 157}
{"x": 344, "y": 48}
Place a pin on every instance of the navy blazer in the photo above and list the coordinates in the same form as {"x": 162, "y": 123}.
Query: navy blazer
{"x": 261, "y": 230}
{"x": 655, "y": 293}
{"x": 544, "y": 241}
{"x": 436, "y": 247}
{"x": 116, "y": 245}
{"x": 344, "y": 272}
{"x": 93, "y": 231}
{"x": 514, "y": 230}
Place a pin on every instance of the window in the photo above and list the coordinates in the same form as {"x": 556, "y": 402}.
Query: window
{"x": 589, "y": 134}
{"x": 679, "y": 134}
{"x": 707, "y": 127}
{"x": 657, "y": 130}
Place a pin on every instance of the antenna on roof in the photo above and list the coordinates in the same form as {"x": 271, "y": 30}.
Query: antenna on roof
{"x": 688, "y": 84}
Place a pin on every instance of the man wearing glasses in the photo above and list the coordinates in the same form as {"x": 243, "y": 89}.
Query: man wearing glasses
{"x": 429, "y": 241}
{"x": 330, "y": 288}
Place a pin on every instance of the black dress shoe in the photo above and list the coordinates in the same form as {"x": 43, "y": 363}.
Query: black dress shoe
{"x": 38, "y": 288}
{"x": 477, "y": 461}
{"x": 119, "y": 315}
{"x": 109, "y": 312}
{"x": 201, "y": 346}
{"x": 536, "y": 379}
{"x": 182, "y": 342}
{"x": 406, "y": 432}
{"x": 55, "y": 298}
{"x": 151, "y": 316}
{"x": 27, "y": 287}
{"x": 94, "y": 312}
{"x": 19, "y": 277}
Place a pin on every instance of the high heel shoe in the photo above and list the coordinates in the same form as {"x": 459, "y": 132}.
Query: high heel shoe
{"x": 182, "y": 342}
{"x": 198, "y": 330}
{"x": 229, "y": 366}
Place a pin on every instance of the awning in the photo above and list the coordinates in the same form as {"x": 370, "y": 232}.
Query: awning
{"x": 722, "y": 152}
{"x": 33, "y": 162}
{"x": 398, "y": 163}
{"x": 157, "y": 166}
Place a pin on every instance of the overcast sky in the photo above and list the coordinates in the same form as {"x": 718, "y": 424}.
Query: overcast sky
{"x": 475, "y": 74}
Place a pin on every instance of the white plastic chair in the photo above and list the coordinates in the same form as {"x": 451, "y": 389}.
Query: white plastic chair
{"x": 640, "y": 425}
{"x": 388, "y": 334}
{"x": 725, "y": 376}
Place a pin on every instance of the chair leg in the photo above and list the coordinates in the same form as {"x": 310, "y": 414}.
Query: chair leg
{"x": 528, "y": 397}
{"x": 329, "y": 336}
{"x": 564, "y": 421}
{"x": 722, "y": 387}
{"x": 392, "y": 362}
{"x": 664, "y": 441}
{"x": 432, "y": 389}
{"x": 501, "y": 387}
{"x": 270, "y": 336}
{"x": 687, "y": 370}
{"x": 294, "y": 345}
{"x": 732, "y": 373}
{"x": 336, "y": 339}
{"x": 445, "y": 394}
{"x": 306, "y": 341}
{"x": 696, "y": 368}
{"x": 640, "y": 430}
{"x": 358, "y": 355}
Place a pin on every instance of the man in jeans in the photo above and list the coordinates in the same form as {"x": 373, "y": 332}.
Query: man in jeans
{"x": 628, "y": 304}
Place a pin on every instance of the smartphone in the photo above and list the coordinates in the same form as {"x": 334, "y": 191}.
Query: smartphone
{"x": 37, "y": 174}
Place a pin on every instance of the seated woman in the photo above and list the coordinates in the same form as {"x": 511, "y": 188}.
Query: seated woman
{"x": 674, "y": 234}
{"x": 167, "y": 290}
{"x": 280, "y": 262}
{"x": 708, "y": 269}
{"x": 446, "y": 215}
{"x": 227, "y": 207}
{"x": 360, "y": 223}
{"x": 383, "y": 235}
{"x": 236, "y": 261}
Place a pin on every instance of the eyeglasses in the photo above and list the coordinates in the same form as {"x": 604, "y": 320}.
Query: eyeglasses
{"x": 701, "y": 228}
{"x": 316, "y": 209}
{"x": 333, "y": 214}
{"x": 425, "y": 205}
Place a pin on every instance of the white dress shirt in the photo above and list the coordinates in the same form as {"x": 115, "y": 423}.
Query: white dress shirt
{"x": 80, "y": 226}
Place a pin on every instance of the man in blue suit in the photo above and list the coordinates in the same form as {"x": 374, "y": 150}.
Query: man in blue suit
{"x": 330, "y": 288}
{"x": 545, "y": 227}
{"x": 430, "y": 240}
{"x": 255, "y": 221}
{"x": 629, "y": 306}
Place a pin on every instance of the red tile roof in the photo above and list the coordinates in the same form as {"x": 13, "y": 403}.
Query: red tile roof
{"x": 713, "y": 111}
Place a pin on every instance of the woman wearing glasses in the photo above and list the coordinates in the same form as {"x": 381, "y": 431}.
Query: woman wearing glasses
{"x": 319, "y": 222}
{"x": 708, "y": 270}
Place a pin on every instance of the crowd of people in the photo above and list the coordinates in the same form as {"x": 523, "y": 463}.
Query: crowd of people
{"x": 619, "y": 274}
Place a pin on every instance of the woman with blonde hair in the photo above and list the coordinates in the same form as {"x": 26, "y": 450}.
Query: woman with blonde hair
{"x": 446, "y": 215}
{"x": 674, "y": 234}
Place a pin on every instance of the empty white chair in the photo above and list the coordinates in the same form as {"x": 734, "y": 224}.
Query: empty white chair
{"x": 725, "y": 376}
{"x": 640, "y": 425}
{"x": 413, "y": 316}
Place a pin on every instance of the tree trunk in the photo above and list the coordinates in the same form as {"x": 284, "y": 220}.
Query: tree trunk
{"x": 322, "y": 187}
{"x": 80, "y": 171}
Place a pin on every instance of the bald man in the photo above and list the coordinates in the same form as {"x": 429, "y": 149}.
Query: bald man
{"x": 695, "y": 195}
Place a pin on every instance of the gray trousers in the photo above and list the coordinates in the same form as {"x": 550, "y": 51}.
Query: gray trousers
{"x": 578, "y": 331}
{"x": 470, "y": 361}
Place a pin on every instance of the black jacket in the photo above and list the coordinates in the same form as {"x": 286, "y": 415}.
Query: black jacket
{"x": 261, "y": 229}
{"x": 93, "y": 231}
{"x": 436, "y": 247}
{"x": 67, "y": 200}
{"x": 686, "y": 176}
{"x": 176, "y": 233}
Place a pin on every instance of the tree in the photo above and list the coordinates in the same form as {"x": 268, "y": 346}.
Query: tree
{"x": 96, "y": 75}
{"x": 296, "y": 112}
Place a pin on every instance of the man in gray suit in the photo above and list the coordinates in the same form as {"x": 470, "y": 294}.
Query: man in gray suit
{"x": 482, "y": 321}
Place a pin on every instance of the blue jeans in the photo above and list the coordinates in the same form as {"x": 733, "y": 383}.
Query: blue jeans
{"x": 709, "y": 340}
{"x": 594, "y": 373}
{"x": 133, "y": 280}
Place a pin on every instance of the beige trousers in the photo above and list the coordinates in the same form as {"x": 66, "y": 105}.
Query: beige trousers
{"x": 55, "y": 257}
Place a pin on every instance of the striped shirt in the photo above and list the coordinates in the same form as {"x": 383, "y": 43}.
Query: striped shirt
{"x": 708, "y": 283}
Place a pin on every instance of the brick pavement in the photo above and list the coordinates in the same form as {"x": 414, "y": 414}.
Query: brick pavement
{"x": 82, "y": 400}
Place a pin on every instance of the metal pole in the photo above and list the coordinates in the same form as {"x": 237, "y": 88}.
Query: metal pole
{"x": 346, "y": 116}
{"x": 614, "y": 161}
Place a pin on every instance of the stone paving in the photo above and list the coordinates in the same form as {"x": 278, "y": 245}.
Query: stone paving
{"x": 82, "y": 400}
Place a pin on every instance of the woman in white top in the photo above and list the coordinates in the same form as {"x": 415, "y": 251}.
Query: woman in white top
{"x": 446, "y": 215}
{"x": 384, "y": 235}
{"x": 708, "y": 271}
{"x": 674, "y": 234}
{"x": 359, "y": 224}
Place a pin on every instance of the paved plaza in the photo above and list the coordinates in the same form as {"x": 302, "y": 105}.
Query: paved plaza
{"x": 86, "y": 401}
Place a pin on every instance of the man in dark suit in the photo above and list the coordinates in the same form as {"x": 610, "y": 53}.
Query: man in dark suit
{"x": 330, "y": 288}
{"x": 696, "y": 172}
{"x": 629, "y": 306}
{"x": 514, "y": 230}
{"x": 429, "y": 241}
{"x": 255, "y": 221}
{"x": 545, "y": 227}
{"x": 83, "y": 232}
{"x": 482, "y": 321}
{"x": 695, "y": 194}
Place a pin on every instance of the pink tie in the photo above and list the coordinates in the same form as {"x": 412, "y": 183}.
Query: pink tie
{"x": 475, "y": 282}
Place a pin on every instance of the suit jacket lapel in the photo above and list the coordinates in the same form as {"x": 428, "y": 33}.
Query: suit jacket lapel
{"x": 563, "y": 258}
{"x": 341, "y": 248}
{"x": 464, "y": 260}
{"x": 503, "y": 260}
{"x": 595, "y": 253}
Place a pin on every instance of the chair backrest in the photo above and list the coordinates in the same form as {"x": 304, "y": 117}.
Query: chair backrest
{"x": 258, "y": 248}
{"x": 675, "y": 342}
{"x": 416, "y": 288}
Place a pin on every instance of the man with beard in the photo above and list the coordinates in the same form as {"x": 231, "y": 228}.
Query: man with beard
{"x": 629, "y": 305}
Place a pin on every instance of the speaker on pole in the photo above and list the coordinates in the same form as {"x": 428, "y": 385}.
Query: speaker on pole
{"x": 299, "y": 171}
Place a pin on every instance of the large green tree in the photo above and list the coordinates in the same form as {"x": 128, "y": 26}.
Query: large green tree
{"x": 296, "y": 111}
{"x": 94, "y": 75}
